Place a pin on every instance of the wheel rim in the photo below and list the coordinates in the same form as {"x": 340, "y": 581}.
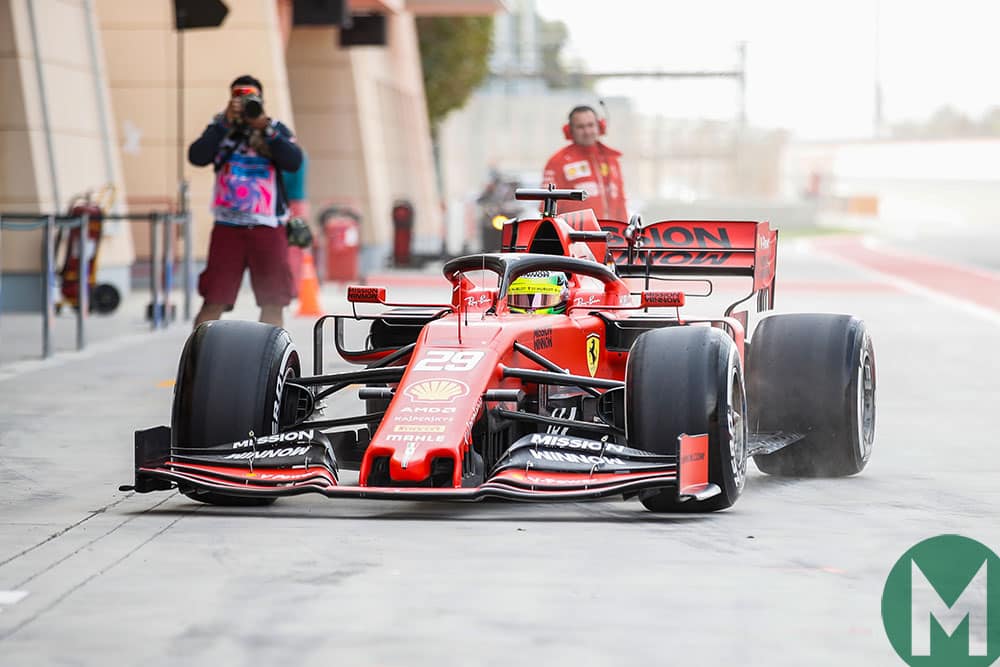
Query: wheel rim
{"x": 282, "y": 414}
{"x": 736, "y": 424}
{"x": 288, "y": 410}
{"x": 866, "y": 406}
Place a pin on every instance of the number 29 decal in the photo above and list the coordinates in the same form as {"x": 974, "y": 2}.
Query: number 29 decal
{"x": 449, "y": 360}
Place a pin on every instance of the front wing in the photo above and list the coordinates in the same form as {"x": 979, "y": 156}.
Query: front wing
{"x": 536, "y": 468}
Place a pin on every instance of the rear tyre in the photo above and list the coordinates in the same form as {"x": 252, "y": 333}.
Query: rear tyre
{"x": 813, "y": 374}
{"x": 230, "y": 381}
{"x": 688, "y": 380}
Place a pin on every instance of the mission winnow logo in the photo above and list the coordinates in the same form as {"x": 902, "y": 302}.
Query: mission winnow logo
{"x": 941, "y": 604}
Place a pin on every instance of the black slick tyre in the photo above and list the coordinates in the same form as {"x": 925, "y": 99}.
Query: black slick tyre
{"x": 814, "y": 375}
{"x": 688, "y": 380}
{"x": 230, "y": 381}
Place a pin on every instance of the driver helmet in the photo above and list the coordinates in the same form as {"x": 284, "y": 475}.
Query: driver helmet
{"x": 539, "y": 293}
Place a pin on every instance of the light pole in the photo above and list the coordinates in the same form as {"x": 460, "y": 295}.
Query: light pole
{"x": 878, "y": 120}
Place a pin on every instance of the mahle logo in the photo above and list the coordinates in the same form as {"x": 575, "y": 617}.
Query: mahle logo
{"x": 941, "y": 604}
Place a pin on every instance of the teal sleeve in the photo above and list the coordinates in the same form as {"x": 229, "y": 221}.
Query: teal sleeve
{"x": 295, "y": 181}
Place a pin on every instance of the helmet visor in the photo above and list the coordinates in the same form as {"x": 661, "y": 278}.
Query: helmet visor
{"x": 535, "y": 296}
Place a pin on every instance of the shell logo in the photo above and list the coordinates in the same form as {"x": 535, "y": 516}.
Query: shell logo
{"x": 436, "y": 391}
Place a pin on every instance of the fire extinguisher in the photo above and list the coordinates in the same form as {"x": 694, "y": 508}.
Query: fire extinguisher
{"x": 104, "y": 297}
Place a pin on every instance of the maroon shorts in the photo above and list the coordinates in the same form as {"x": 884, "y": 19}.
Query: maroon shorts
{"x": 231, "y": 250}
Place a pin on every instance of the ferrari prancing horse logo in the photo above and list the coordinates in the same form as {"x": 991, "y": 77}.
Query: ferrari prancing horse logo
{"x": 593, "y": 352}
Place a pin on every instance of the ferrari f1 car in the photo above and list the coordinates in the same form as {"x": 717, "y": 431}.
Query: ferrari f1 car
{"x": 568, "y": 374}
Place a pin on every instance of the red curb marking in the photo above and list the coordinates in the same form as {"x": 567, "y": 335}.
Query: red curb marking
{"x": 973, "y": 285}
{"x": 834, "y": 286}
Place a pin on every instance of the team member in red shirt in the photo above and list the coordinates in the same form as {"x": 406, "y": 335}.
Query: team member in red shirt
{"x": 587, "y": 164}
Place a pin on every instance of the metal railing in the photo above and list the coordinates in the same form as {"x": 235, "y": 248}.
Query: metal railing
{"x": 161, "y": 257}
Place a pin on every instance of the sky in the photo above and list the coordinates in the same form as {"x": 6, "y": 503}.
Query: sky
{"x": 811, "y": 65}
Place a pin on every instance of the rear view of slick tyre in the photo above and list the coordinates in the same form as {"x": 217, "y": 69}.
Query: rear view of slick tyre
{"x": 813, "y": 374}
{"x": 688, "y": 380}
{"x": 231, "y": 381}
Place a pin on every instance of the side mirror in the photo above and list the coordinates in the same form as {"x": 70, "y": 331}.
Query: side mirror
{"x": 362, "y": 294}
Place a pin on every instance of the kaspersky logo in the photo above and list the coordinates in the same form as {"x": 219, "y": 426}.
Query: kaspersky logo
{"x": 941, "y": 604}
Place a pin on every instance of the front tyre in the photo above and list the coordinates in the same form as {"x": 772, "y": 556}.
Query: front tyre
{"x": 688, "y": 380}
{"x": 231, "y": 380}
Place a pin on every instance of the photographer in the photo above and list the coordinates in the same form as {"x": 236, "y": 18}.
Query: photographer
{"x": 248, "y": 151}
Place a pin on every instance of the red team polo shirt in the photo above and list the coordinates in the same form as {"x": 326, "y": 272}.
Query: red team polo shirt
{"x": 594, "y": 169}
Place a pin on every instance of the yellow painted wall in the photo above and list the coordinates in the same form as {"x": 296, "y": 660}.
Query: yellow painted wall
{"x": 141, "y": 46}
{"x": 74, "y": 88}
{"x": 362, "y": 119}
{"x": 360, "y": 113}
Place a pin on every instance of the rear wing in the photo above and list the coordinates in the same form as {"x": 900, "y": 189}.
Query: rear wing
{"x": 696, "y": 248}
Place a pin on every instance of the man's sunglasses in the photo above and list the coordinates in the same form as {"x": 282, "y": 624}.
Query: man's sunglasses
{"x": 246, "y": 90}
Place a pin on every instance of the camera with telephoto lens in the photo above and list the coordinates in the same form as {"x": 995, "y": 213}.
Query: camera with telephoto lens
{"x": 253, "y": 106}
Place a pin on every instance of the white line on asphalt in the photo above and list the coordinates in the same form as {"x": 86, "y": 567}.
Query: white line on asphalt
{"x": 958, "y": 303}
{"x": 8, "y": 598}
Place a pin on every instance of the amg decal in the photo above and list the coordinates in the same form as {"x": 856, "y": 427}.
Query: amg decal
{"x": 270, "y": 453}
{"x": 430, "y": 411}
{"x": 290, "y": 436}
{"x": 574, "y": 443}
{"x": 569, "y": 457}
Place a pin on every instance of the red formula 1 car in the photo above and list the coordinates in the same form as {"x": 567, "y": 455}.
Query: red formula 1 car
{"x": 559, "y": 370}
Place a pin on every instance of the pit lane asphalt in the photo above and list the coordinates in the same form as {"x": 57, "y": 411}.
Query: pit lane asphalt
{"x": 791, "y": 575}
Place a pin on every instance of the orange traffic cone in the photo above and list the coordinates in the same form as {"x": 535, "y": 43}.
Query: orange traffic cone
{"x": 309, "y": 289}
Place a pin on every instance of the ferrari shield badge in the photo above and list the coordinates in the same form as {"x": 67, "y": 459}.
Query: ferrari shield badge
{"x": 593, "y": 352}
